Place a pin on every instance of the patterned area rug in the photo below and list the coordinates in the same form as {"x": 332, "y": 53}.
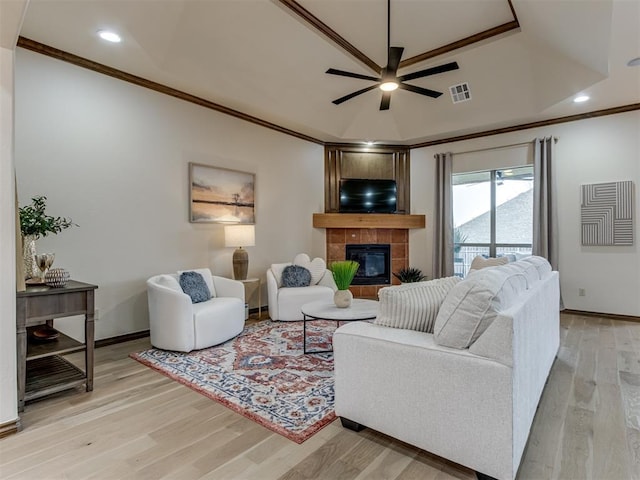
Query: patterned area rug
{"x": 263, "y": 375}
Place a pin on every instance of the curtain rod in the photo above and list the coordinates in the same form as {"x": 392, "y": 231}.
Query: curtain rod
{"x": 520, "y": 144}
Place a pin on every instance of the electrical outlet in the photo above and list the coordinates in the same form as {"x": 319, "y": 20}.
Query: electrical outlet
{"x": 582, "y": 292}
{"x": 96, "y": 315}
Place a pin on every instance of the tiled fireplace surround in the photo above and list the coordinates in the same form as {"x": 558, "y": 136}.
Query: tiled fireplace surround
{"x": 337, "y": 238}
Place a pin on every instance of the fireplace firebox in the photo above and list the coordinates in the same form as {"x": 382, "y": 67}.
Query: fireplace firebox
{"x": 375, "y": 263}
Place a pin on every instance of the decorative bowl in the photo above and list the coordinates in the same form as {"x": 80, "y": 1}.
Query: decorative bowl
{"x": 56, "y": 277}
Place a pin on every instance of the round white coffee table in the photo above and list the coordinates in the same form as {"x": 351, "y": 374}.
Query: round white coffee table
{"x": 360, "y": 309}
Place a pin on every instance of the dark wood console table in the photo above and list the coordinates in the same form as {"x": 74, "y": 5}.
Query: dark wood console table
{"x": 41, "y": 368}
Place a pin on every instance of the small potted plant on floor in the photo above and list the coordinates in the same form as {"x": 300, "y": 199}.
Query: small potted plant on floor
{"x": 343, "y": 273}
{"x": 410, "y": 275}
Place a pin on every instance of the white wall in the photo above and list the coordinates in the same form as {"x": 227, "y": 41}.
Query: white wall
{"x": 596, "y": 150}
{"x": 8, "y": 385}
{"x": 114, "y": 157}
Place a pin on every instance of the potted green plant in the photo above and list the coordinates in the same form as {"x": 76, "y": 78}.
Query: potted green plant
{"x": 343, "y": 273}
{"x": 459, "y": 237}
{"x": 410, "y": 275}
{"x": 34, "y": 224}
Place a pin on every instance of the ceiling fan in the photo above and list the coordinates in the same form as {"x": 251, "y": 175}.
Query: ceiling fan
{"x": 389, "y": 81}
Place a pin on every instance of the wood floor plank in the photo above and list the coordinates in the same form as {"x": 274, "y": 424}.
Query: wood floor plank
{"x": 139, "y": 424}
{"x": 610, "y": 455}
{"x": 577, "y": 441}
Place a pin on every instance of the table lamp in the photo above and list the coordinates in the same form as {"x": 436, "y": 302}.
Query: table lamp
{"x": 240, "y": 236}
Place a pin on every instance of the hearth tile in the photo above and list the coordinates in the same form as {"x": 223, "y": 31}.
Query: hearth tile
{"x": 384, "y": 235}
{"x": 352, "y": 235}
{"x": 399, "y": 236}
{"x": 398, "y": 250}
{"x": 369, "y": 235}
{"x": 335, "y": 252}
{"x": 369, "y": 291}
{"x": 335, "y": 235}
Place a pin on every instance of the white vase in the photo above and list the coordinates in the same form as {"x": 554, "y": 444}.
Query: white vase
{"x": 342, "y": 298}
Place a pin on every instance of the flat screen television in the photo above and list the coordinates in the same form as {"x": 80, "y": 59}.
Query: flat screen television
{"x": 359, "y": 195}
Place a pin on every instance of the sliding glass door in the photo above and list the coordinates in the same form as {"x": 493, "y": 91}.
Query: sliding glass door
{"x": 492, "y": 214}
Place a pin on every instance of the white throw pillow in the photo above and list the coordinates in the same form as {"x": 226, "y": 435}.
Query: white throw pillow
{"x": 413, "y": 306}
{"x": 480, "y": 262}
{"x": 317, "y": 266}
{"x": 473, "y": 304}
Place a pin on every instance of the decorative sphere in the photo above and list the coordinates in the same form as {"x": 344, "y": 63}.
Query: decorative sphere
{"x": 56, "y": 277}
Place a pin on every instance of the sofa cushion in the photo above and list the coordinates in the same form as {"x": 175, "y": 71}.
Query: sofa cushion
{"x": 480, "y": 262}
{"x": 473, "y": 304}
{"x": 194, "y": 285}
{"x": 296, "y": 276}
{"x": 413, "y": 306}
{"x": 317, "y": 267}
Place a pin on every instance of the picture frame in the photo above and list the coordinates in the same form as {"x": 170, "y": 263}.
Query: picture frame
{"x": 221, "y": 195}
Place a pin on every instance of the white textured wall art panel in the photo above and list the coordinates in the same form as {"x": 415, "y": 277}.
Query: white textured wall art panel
{"x": 607, "y": 213}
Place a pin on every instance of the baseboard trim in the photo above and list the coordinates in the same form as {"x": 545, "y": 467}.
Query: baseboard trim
{"x": 612, "y": 316}
{"x": 105, "y": 342}
{"x": 10, "y": 428}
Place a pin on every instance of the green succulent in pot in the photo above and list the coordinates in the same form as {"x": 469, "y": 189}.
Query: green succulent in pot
{"x": 410, "y": 275}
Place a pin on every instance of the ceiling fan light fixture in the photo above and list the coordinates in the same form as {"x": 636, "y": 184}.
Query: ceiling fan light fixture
{"x": 389, "y": 86}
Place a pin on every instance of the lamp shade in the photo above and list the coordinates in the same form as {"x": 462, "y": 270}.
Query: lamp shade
{"x": 239, "y": 236}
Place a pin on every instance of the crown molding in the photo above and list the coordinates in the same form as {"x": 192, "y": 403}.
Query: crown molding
{"x": 158, "y": 87}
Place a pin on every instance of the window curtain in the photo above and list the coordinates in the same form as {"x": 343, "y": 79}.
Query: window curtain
{"x": 443, "y": 218}
{"x": 545, "y": 199}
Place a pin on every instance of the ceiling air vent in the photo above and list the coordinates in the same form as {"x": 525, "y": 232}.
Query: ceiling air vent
{"x": 460, "y": 93}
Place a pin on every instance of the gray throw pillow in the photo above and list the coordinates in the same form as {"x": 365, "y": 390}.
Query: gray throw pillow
{"x": 193, "y": 284}
{"x": 296, "y": 276}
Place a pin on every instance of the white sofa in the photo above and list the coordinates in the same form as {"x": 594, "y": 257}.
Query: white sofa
{"x": 175, "y": 323}
{"x": 475, "y": 405}
{"x": 285, "y": 303}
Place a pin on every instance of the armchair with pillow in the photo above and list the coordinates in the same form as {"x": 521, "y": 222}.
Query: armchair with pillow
{"x": 194, "y": 309}
{"x": 289, "y": 286}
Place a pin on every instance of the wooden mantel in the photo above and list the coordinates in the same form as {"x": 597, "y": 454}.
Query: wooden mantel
{"x": 367, "y": 220}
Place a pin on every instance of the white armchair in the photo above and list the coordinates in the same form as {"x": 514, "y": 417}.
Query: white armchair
{"x": 175, "y": 323}
{"x": 285, "y": 303}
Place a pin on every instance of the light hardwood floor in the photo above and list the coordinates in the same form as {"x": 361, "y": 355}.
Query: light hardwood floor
{"x": 138, "y": 424}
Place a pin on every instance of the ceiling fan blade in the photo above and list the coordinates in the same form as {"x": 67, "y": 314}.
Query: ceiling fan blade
{"x": 386, "y": 101}
{"x": 447, "y": 67}
{"x": 354, "y": 94}
{"x": 420, "y": 90}
{"x": 342, "y": 73}
{"x": 395, "y": 54}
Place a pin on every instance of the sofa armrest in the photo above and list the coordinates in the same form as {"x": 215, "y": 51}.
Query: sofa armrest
{"x": 225, "y": 287}
{"x": 170, "y": 318}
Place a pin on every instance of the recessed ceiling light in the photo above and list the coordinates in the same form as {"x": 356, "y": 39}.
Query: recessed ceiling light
{"x": 109, "y": 36}
{"x": 634, "y": 62}
{"x": 369, "y": 142}
{"x": 581, "y": 98}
